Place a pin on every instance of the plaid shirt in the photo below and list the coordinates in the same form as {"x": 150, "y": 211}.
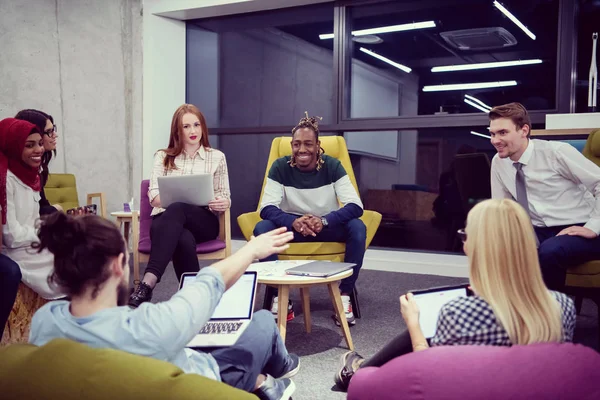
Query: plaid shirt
{"x": 204, "y": 161}
{"x": 471, "y": 320}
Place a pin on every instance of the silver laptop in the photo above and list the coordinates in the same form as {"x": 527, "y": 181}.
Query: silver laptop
{"x": 195, "y": 189}
{"x": 232, "y": 315}
{"x": 320, "y": 269}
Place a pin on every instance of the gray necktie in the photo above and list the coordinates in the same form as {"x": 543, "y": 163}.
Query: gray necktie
{"x": 522, "y": 192}
{"x": 521, "y": 188}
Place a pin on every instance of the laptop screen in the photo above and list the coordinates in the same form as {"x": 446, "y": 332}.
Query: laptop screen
{"x": 237, "y": 302}
{"x": 430, "y": 304}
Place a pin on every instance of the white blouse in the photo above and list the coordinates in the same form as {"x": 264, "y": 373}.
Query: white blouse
{"x": 19, "y": 232}
{"x": 204, "y": 161}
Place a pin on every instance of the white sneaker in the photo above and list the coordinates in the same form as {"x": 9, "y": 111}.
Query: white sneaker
{"x": 275, "y": 308}
{"x": 347, "y": 305}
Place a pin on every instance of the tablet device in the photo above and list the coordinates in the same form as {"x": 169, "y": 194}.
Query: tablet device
{"x": 430, "y": 302}
{"x": 194, "y": 189}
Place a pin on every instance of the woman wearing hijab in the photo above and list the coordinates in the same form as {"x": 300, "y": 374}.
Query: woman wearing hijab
{"x": 22, "y": 148}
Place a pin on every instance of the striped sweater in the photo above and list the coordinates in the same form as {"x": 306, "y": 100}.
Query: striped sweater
{"x": 290, "y": 193}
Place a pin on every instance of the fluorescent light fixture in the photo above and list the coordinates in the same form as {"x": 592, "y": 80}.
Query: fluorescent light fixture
{"x": 498, "y": 64}
{"x": 476, "y": 100}
{"x": 477, "y": 106}
{"x": 514, "y": 19}
{"x": 468, "y": 86}
{"x": 387, "y": 60}
{"x": 480, "y": 134}
{"x": 386, "y": 29}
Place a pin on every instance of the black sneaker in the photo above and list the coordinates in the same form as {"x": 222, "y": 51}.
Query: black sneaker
{"x": 351, "y": 362}
{"x": 275, "y": 389}
{"x": 142, "y": 293}
{"x": 293, "y": 366}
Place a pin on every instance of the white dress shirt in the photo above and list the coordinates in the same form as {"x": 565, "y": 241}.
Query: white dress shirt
{"x": 19, "y": 232}
{"x": 563, "y": 187}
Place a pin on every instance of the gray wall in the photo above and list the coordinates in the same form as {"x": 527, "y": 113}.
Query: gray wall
{"x": 269, "y": 78}
{"x": 81, "y": 61}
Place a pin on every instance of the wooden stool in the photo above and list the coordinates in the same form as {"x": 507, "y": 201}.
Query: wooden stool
{"x": 19, "y": 321}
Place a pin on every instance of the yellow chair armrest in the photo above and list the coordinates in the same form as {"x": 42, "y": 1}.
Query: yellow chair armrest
{"x": 371, "y": 219}
{"x": 247, "y": 222}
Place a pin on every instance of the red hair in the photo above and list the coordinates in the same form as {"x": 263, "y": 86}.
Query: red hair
{"x": 175, "y": 143}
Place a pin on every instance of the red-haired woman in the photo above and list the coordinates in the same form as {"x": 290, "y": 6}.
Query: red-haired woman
{"x": 176, "y": 230}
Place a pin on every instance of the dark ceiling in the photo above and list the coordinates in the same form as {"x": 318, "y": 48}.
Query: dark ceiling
{"x": 423, "y": 49}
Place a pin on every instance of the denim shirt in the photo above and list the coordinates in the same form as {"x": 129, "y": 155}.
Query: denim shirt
{"x": 159, "y": 331}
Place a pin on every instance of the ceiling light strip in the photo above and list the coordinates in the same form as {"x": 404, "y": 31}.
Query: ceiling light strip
{"x": 481, "y": 135}
{"x": 386, "y": 29}
{"x": 498, "y": 64}
{"x": 476, "y": 100}
{"x": 514, "y": 19}
{"x": 468, "y": 86}
{"x": 387, "y": 60}
{"x": 477, "y": 106}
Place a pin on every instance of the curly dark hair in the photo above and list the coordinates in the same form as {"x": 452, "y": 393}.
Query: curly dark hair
{"x": 82, "y": 247}
{"x": 311, "y": 123}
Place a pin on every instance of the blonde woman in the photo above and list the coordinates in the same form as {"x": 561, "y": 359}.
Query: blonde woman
{"x": 511, "y": 304}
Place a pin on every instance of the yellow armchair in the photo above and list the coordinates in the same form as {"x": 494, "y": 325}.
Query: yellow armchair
{"x": 62, "y": 189}
{"x": 584, "y": 280}
{"x": 334, "y": 146}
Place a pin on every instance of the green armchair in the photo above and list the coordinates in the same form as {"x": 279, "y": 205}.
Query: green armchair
{"x": 62, "y": 189}
{"x": 67, "y": 370}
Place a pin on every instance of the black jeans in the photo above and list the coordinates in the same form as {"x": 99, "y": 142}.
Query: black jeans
{"x": 557, "y": 253}
{"x": 10, "y": 277}
{"x": 174, "y": 235}
{"x": 398, "y": 346}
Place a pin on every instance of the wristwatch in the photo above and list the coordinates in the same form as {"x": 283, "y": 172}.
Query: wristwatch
{"x": 324, "y": 222}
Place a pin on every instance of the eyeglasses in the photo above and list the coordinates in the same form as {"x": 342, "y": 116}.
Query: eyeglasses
{"x": 50, "y": 132}
{"x": 462, "y": 235}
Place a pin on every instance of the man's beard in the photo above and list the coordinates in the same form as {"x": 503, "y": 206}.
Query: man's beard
{"x": 122, "y": 294}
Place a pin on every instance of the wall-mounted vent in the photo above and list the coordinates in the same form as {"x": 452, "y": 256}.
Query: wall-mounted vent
{"x": 479, "y": 38}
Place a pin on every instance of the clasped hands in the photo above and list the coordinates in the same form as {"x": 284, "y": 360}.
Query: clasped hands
{"x": 219, "y": 204}
{"x": 308, "y": 225}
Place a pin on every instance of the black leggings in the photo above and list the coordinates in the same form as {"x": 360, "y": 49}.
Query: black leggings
{"x": 398, "y": 346}
{"x": 174, "y": 235}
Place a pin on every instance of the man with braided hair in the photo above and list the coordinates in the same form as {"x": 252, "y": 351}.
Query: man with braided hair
{"x": 303, "y": 193}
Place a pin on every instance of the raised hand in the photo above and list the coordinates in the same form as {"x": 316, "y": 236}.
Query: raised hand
{"x": 272, "y": 242}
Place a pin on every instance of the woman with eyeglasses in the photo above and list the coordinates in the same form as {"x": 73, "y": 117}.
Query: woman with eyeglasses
{"x": 511, "y": 304}
{"x": 45, "y": 124}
